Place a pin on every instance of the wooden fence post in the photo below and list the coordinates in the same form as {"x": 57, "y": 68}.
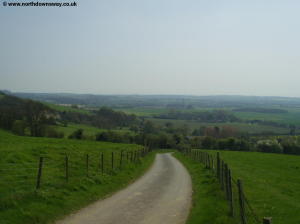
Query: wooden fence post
{"x": 121, "y": 158}
{"x": 87, "y": 165}
{"x": 39, "y": 175}
{"x": 267, "y": 220}
{"x": 230, "y": 193}
{"x": 67, "y": 168}
{"x": 102, "y": 163}
{"x": 200, "y": 154}
{"x": 207, "y": 160}
{"x": 222, "y": 174}
{"x": 112, "y": 161}
{"x": 241, "y": 201}
{"x": 218, "y": 166}
{"x": 226, "y": 180}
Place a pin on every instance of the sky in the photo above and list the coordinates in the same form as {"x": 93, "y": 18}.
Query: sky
{"x": 192, "y": 47}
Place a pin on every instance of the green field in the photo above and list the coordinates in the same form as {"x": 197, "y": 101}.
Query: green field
{"x": 144, "y": 111}
{"x": 62, "y": 108}
{"x": 241, "y": 127}
{"x": 292, "y": 117}
{"x": 271, "y": 183}
{"x": 20, "y": 203}
{"x": 88, "y": 131}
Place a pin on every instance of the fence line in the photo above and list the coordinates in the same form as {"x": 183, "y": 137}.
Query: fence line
{"x": 239, "y": 206}
{"x": 46, "y": 173}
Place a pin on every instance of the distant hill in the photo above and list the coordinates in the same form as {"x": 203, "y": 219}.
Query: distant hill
{"x": 169, "y": 101}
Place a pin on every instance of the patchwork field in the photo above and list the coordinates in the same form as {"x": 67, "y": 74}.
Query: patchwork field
{"x": 292, "y": 117}
{"x": 241, "y": 127}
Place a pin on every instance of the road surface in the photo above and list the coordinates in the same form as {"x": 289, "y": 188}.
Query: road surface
{"x": 161, "y": 196}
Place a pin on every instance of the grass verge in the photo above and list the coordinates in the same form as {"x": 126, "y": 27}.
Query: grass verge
{"x": 20, "y": 204}
{"x": 46, "y": 206}
{"x": 209, "y": 204}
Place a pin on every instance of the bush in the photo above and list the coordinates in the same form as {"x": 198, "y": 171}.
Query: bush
{"x": 78, "y": 134}
{"x": 290, "y": 146}
{"x": 208, "y": 142}
{"x": 110, "y": 136}
{"x": 269, "y": 145}
{"x": 52, "y": 133}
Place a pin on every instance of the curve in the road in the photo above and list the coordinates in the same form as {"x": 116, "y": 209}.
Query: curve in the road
{"x": 161, "y": 196}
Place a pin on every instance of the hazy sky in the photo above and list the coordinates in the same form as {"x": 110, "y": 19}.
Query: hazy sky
{"x": 199, "y": 47}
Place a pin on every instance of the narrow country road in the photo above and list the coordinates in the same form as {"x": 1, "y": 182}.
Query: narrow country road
{"x": 161, "y": 196}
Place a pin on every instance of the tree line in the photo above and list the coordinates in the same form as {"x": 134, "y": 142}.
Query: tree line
{"x": 213, "y": 116}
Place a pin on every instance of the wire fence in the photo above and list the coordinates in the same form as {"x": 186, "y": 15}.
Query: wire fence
{"x": 239, "y": 205}
{"x": 18, "y": 180}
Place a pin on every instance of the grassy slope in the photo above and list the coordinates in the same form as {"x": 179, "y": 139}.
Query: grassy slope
{"x": 209, "y": 205}
{"x": 271, "y": 182}
{"x": 18, "y": 167}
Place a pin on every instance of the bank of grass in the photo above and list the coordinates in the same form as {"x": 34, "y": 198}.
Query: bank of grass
{"x": 209, "y": 204}
{"x": 21, "y": 204}
{"x": 271, "y": 182}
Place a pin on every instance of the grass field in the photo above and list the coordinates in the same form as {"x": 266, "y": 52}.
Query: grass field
{"x": 241, "y": 127}
{"x": 88, "y": 131}
{"x": 62, "y": 108}
{"x": 271, "y": 183}
{"x": 144, "y": 111}
{"x": 209, "y": 204}
{"x": 21, "y": 204}
{"x": 292, "y": 117}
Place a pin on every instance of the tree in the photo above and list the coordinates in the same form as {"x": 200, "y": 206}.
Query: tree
{"x": 36, "y": 117}
{"x": 292, "y": 129}
{"x": 208, "y": 142}
{"x": 78, "y": 134}
{"x": 269, "y": 145}
{"x": 18, "y": 127}
{"x": 148, "y": 127}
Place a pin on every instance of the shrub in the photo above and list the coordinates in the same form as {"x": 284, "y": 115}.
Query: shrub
{"x": 52, "y": 133}
{"x": 269, "y": 145}
{"x": 78, "y": 134}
